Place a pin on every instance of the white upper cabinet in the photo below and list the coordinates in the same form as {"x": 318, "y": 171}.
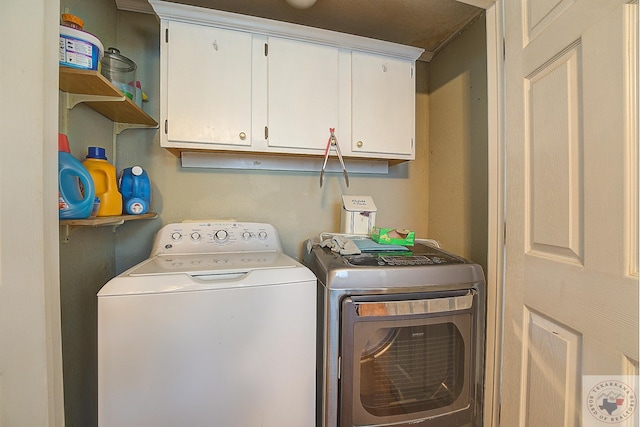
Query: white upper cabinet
{"x": 303, "y": 96}
{"x": 383, "y": 105}
{"x": 208, "y": 85}
{"x": 238, "y": 83}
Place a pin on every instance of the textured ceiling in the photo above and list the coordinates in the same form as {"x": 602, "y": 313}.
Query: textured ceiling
{"x": 429, "y": 24}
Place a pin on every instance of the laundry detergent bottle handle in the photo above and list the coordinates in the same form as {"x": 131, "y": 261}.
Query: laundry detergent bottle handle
{"x": 135, "y": 189}
{"x": 76, "y": 191}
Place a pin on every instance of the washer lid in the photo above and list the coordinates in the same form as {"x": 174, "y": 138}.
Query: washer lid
{"x": 202, "y": 264}
{"x": 169, "y": 274}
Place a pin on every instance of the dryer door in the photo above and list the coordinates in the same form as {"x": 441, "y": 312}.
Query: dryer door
{"x": 405, "y": 360}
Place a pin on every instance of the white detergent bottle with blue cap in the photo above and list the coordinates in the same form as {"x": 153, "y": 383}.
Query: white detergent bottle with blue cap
{"x": 135, "y": 189}
{"x": 76, "y": 192}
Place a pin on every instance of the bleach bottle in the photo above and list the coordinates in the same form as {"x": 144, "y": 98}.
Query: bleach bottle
{"x": 136, "y": 190}
{"x": 104, "y": 179}
{"x": 76, "y": 192}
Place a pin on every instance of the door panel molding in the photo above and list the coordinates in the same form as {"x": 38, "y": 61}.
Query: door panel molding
{"x": 553, "y": 158}
{"x": 551, "y": 372}
{"x": 539, "y": 15}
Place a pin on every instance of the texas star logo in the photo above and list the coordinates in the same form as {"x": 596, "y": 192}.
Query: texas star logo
{"x": 611, "y": 401}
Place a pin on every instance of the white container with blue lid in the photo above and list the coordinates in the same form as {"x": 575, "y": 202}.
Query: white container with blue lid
{"x": 79, "y": 49}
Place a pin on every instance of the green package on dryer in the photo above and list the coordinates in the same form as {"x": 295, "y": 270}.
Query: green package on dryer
{"x": 393, "y": 236}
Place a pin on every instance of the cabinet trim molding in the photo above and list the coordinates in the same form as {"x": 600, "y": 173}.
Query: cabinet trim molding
{"x": 260, "y": 161}
{"x": 268, "y": 27}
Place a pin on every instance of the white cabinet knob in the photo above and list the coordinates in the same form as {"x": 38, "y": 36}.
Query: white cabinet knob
{"x": 359, "y": 144}
{"x": 243, "y": 136}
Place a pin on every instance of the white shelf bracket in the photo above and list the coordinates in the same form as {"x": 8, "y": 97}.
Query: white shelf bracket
{"x": 74, "y": 99}
{"x": 64, "y": 118}
{"x": 120, "y": 127}
{"x": 67, "y": 228}
{"x": 65, "y": 236}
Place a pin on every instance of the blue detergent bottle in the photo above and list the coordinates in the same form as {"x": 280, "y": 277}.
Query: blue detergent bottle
{"x": 135, "y": 188}
{"x": 76, "y": 192}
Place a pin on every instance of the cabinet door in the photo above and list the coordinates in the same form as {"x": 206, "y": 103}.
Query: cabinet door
{"x": 383, "y": 105}
{"x": 208, "y": 85}
{"x": 303, "y": 95}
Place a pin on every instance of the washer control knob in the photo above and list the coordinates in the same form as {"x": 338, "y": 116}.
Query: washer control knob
{"x": 262, "y": 235}
{"x": 175, "y": 236}
{"x": 246, "y": 235}
{"x": 195, "y": 236}
{"x": 221, "y": 235}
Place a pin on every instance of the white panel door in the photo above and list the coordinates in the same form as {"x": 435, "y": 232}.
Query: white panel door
{"x": 208, "y": 85}
{"x": 303, "y": 95}
{"x": 383, "y": 104}
{"x": 571, "y": 286}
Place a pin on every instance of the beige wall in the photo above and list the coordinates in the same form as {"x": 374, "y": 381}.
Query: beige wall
{"x": 87, "y": 261}
{"x": 292, "y": 201}
{"x": 458, "y": 145}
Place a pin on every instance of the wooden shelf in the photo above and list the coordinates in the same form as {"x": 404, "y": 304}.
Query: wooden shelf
{"x": 107, "y": 220}
{"x": 99, "y": 94}
{"x": 101, "y": 221}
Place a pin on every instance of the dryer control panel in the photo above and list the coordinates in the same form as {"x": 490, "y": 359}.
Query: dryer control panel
{"x": 216, "y": 237}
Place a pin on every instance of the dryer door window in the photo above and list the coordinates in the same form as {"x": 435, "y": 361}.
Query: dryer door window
{"x": 403, "y": 361}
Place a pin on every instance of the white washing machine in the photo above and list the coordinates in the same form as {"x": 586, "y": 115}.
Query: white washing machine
{"x": 216, "y": 328}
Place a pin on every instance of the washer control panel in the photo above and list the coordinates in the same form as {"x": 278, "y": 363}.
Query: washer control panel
{"x": 216, "y": 237}
{"x": 419, "y": 255}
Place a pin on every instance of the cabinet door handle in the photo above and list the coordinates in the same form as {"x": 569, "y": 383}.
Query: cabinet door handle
{"x": 243, "y": 136}
{"x": 359, "y": 144}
